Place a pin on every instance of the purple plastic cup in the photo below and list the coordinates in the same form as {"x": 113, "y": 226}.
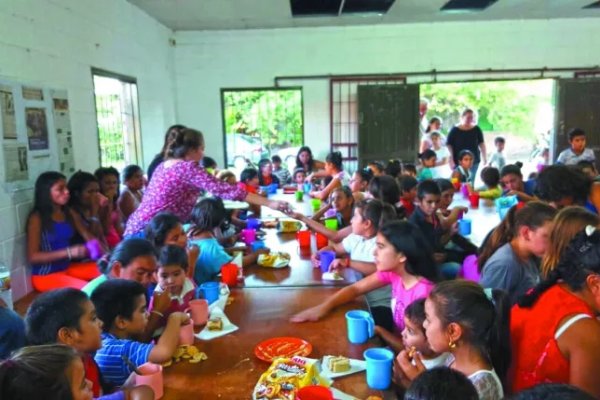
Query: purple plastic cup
{"x": 253, "y": 223}
{"x": 94, "y": 249}
{"x": 326, "y": 257}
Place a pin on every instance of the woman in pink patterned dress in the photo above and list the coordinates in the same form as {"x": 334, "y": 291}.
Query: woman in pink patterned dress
{"x": 178, "y": 181}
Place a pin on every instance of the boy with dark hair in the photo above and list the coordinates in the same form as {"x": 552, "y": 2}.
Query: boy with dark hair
{"x": 491, "y": 179}
{"x": 67, "y": 316}
{"x": 408, "y": 194}
{"x": 434, "y": 228}
{"x": 281, "y": 173}
{"x": 497, "y": 159}
{"x": 249, "y": 180}
{"x": 409, "y": 170}
{"x": 121, "y": 305}
{"x": 577, "y": 152}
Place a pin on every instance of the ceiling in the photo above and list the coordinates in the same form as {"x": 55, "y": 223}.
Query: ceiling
{"x": 258, "y": 14}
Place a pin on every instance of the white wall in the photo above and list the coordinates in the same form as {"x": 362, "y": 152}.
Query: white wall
{"x": 54, "y": 43}
{"x": 209, "y": 61}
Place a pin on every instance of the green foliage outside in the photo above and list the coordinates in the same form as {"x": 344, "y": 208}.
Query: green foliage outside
{"x": 519, "y": 107}
{"x": 274, "y": 116}
{"x": 110, "y": 131}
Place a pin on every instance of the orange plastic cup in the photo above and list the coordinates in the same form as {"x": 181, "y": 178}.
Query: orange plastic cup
{"x": 314, "y": 393}
{"x": 303, "y": 238}
{"x": 229, "y": 274}
{"x": 322, "y": 241}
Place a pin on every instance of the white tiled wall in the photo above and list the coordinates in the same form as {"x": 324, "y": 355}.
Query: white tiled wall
{"x": 209, "y": 61}
{"x": 55, "y": 43}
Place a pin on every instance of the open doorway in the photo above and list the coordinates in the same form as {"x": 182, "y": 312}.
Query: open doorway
{"x": 520, "y": 111}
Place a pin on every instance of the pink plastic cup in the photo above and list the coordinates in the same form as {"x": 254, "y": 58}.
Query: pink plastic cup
{"x": 199, "y": 311}
{"x": 249, "y": 236}
{"x": 186, "y": 333}
{"x": 151, "y": 375}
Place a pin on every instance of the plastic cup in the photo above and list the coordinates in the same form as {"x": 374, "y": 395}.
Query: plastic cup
{"x": 455, "y": 183}
{"x": 314, "y": 393}
{"x": 209, "y": 291}
{"x": 331, "y": 213}
{"x": 303, "y": 238}
{"x": 248, "y": 236}
{"x": 322, "y": 241}
{"x": 253, "y": 223}
{"x": 474, "y": 200}
{"x": 229, "y": 274}
{"x": 151, "y": 375}
{"x": 315, "y": 204}
{"x": 307, "y": 187}
{"x": 379, "y": 368}
{"x": 299, "y": 195}
{"x": 464, "y": 189}
{"x": 273, "y": 188}
{"x": 257, "y": 245}
{"x": 331, "y": 224}
{"x": 361, "y": 326}
{"x": 264, "y": 189}
{"x": 464, "y": 227}
{"x": 199, "y": 311}
{"x": 94, "y": 249}
{"x": 326, "y": 257}
{"x": 186, "y": 333}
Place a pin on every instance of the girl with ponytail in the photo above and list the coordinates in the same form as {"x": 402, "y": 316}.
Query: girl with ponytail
{"x": 510, "y": 258}
{"x": 473, "y": 325}
{"x": 555, "y": 336}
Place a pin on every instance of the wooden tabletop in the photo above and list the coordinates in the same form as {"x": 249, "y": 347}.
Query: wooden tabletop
{"x": 232, "y": 370}
{"x": 300, "y": 271}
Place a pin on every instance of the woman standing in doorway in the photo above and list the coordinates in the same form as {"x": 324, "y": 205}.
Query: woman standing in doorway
{"x": 467, "y": 136}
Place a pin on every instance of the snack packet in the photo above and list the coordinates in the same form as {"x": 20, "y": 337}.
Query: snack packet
{"x": 289, "y": 226}
{"x": 274, "y": 260}
{"x": 285, "y": 376}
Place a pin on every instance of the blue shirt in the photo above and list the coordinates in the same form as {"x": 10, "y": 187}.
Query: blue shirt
{"x": 109, "y": 357}
{"x": 211, "y": 259}
{"x": 56, "y": 238}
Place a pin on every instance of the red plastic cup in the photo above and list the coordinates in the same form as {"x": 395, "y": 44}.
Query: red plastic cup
{"x": 151, "y": 375}
{"x": 314, "y": 393}
{"x": 303, "y": 238}
{"x": 229, "y": 274}
{"x": 322, "y": 241}
{"x": 474, "y": 200}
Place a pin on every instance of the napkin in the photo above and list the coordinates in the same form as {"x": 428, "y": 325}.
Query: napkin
{"x": 228, "y": 327}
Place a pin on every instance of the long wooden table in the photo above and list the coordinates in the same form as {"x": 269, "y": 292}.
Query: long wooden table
{"x": 232, "y": 370}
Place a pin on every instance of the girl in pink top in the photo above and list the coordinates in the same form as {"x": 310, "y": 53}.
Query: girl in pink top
{"x": 403, "y": 259}
{"x": 178, "y": 181}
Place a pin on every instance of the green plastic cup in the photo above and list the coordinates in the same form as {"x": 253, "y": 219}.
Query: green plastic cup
{"x": 299, "y": 195}
{"x": 331, "y": 224}
{"x": 316, "y": 204}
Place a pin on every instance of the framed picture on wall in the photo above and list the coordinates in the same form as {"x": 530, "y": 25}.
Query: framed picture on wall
{"x": 37, "y": 128}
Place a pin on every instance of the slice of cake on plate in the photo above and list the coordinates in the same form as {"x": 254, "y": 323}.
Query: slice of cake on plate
{"x": 338, "y": 364}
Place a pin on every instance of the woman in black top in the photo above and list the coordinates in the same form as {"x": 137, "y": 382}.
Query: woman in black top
{"x": 467, "y": 136}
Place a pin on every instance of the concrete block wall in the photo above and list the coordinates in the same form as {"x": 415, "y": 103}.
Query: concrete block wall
{"x": 55, "y": 43}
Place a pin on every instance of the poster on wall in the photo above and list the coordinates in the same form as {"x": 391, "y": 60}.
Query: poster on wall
{"x": 62, "y": 124}
{"x": 15, "y": 162}
{"x": 30, "y": 93}
{"x": 7, "y": 113}
{"x": 37, "y": 128}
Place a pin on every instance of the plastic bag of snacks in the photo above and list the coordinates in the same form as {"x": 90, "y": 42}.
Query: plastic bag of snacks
{"x": 274, "y": 260}
{"x": 289, "y": 226}
{"x": 285, "y": 376}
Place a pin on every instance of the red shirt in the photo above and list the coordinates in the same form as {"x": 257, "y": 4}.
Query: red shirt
{"x": 408, "y": 205}
{"x": 536, "y": 356}
{"x": 92, "y": 372}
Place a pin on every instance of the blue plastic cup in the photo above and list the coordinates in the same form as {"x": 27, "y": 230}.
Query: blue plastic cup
{"x": 257, "y": 245}
{"x": 326, "y": 257}
{"x": 209, "y": 291}
{"x": 379, "y": 368}
{"x": 253, "y": 223}
{"x": 307, "y": 187}
{"x": 273, "y": 188}
{"x": 361, "y": 326}
{"x": 464, "y": 227}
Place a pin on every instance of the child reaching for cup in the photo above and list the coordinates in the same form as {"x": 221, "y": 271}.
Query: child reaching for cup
{"x": 402, "y": 259}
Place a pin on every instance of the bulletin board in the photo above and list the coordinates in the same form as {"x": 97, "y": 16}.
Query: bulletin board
{"x": 35, "y": 134}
